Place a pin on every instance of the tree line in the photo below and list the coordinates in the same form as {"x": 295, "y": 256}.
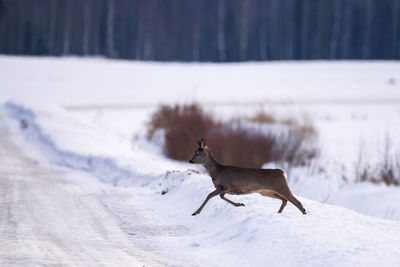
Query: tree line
{"x": 202, "y": 30}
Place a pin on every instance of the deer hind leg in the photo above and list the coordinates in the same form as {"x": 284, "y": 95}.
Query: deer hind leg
{"x": 274, "y": 195}
{"x": 284, "y": 202}
{"x": 230, "y": 201}
{"x": 289, "y": 196}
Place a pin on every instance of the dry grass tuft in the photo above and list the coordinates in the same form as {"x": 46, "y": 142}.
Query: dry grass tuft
{"x": 262, "y": 117}
{"x": 386, "y": 170}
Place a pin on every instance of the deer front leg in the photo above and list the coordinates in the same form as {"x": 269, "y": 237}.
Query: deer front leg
{"x": 230, "y": 201}
{"x": 216, "y": 192}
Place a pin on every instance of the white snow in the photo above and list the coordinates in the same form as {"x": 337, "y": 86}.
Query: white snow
{"x": 98, "y": 142}
{"x": 83, "y": 82}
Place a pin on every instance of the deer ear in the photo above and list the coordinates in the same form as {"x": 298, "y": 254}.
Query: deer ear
{"x": 202, "y": 143}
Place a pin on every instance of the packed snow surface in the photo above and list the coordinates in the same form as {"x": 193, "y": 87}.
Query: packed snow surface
{"x": 81, "y": 185}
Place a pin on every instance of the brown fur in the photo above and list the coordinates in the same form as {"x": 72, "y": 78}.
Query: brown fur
{"x": 239, "y": 181}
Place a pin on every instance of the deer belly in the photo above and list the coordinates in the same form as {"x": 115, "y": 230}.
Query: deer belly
{"x": 233, "y": 190}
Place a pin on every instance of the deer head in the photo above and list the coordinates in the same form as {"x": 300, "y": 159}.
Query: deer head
{"x": 201, "y": 154}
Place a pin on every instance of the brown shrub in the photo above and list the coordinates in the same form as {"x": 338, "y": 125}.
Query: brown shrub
{"x": 167, "y": 117}
{"x": 231, "y": 143}
{"x": 298, "y": 145}
{"x": 240, "y": 147}
{"x": 183, "y": 125}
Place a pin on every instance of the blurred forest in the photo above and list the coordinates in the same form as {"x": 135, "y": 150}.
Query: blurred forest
{"x": 203, "y": 30}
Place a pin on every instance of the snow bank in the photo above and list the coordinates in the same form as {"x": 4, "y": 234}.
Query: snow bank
{"x": 102, "y": 162}
{"x": 103, "y": 168}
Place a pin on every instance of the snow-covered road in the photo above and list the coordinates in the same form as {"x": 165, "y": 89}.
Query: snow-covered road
{"x": 47, "y": 221}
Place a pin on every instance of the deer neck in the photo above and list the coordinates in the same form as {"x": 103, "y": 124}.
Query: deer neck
{"x": 211, "y": 165}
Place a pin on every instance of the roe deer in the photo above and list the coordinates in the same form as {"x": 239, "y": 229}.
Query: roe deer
{"x": 239, "y": 181}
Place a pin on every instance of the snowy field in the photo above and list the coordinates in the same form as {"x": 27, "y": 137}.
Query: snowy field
{"x": 87, "y": 118}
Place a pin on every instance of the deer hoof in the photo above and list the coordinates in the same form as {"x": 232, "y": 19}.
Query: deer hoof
{"x": 195, "y": 213}
{"x": 240, "y": 205}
